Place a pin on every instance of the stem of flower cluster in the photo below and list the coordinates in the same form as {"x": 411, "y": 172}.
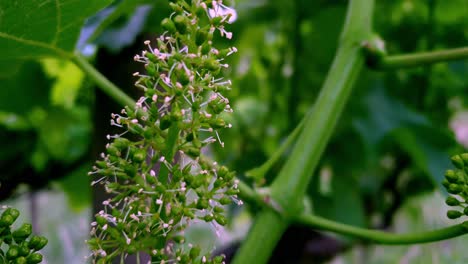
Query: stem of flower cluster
{"x": 421, "y": 59}
{"x": 381, "y": 237}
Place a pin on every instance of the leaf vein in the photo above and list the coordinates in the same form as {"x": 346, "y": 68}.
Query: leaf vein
{"x": 59, "y": 22}
{"x": 34, "y": 43}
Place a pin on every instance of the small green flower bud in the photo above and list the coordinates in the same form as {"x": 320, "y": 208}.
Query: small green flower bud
{"x": 139, "y": 155}
{"x": 218, "y": 123}
{"x": 465, "y": 211}
{"x": 195, "y": 252}
{"x": 136, "y": 129}
{"x": 151, "y": 69}
{"x": 222, "y": 171}
{"x": 220, "y": 219}
{"x": 100, "y": 220}
{"x": 177, "y": 8}
{"x": 202, "y": 203}
{"x": 152, "y": 58}
{"x": 445, "y": 183}
{"x": 195, "y": 106}
{"x": 205, "y": 48}
{"x": 6, "y": 220}
{"x": 451, "y": 176}
{"x": 189, "y": 137}
{"x": 218, "y": 209}
{"x": 208, "y": 218}
{"x": 189, "y": 213}
{"x": 183, "y": 78}
{"x": 225, "y": 200}
{"x": 112, "y": 150}
{"x": 165, "y": 122}
{"x": 453, "y": 214}
{"x": 218, "y": 259}
{"x": 452, "y": 201}
{"x": 22, "y": 233}
{"x": 168, "y": 25}
{"x": 193, "y": 152}
{"x": 217, "y": 106}
{"x": 176, "y": 114}
{"x": 216, "y": 21}
{"x": 201, "y": 36}
{"x": 211, "y": 64}
{"x": 13, "y": 212}
{"x": 232, "y": 191}
{"x": 121, "y": 143}
{"x": 20, "y": 260}
{"x": 464, "y": 157}
{"x": 179, "y": 239}
{"x": 12, "y": 252}
{"x": 34, "y": 258}
{"x": 23, "y": 250}
{"x": 454, "y": 188}
{"x": 181, "y": 23}
{"x": 457, "y": 162}
{"x": 130, "y": 170}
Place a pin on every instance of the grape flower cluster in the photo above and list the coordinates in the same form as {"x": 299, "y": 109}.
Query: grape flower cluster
{"x": 18, "y": 246}
{"x": 155, "y": 170}
{"x": 456, "y": 184}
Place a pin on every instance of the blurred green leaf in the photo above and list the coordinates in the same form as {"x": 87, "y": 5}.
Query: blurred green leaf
{"x": 12, "y": 121}
{"x": 27, "y": 89}
{"x": 337, "y": 197}
{"x": 428, "y": 147}
{"x": 65, "y": 134}
{"x": 37, "y": 28}
{"x": 381, "y": 115}
{"x": 68, "y": 81}
{"x": 77, "y": 188}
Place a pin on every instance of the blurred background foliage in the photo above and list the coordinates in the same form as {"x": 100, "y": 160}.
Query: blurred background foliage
{"x": 384, "y": 162}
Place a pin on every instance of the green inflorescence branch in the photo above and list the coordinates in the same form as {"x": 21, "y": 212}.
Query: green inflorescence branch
{"x": 252, "y": 197}
{"x": 420, "y": 59}
{"x": 382, "y": 237}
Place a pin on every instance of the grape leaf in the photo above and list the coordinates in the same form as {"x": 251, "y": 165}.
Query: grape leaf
{"x": 38, "y": 28}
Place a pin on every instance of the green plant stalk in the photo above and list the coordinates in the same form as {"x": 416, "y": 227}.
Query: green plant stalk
{"x": 249, "y": 195}
{"x": 380, "y": 237}
{"x": 289, "y": 188}
{"x": 384, "y": 237}
{"x": 102, "y": 82}
{"x": 262, "y": 240}
{"x": 421, "y": 59}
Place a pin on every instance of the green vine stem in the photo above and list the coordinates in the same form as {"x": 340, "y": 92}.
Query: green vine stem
{"x": 384, "y": 237}
{"x": 249, "y": 195}
{"x": 420, "y": 59}
{"x": 289, "y": 187}
{"x": 102, "y": 82}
